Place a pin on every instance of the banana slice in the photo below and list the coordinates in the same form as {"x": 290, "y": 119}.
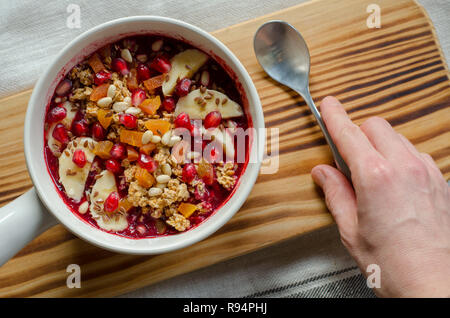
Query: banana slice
{"x": 191, "y": 105}
{"x": 100, "y": 191}
{"x": 53, "y": 144}
{"x": 72, "y": 177}
{"x": 184, "y": 64}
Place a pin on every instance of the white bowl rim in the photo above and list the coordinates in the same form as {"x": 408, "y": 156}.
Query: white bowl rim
{"x": 95, "y": 236}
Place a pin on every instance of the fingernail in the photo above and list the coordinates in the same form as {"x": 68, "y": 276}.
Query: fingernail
{"x": 319, "y": 176}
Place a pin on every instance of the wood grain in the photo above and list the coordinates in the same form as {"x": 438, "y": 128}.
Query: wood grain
{"x": 397, "y": 72}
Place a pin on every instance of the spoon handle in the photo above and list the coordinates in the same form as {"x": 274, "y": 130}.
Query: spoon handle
{"x": 337, "y": 156}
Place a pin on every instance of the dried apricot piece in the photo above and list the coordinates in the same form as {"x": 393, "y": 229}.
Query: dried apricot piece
{"x": 131, "y": 137}
{"x": 132, "y": 154}
{"x": 187, "y": 209}
{"x": 132, "y": 81}
{"x": 103, "y": 148}
{"x": 154, "y": 82}
{"x": 144, "y": 178}
{"x": 158, "y": 126}
{"x": 125, "y": 205}
{"x": 104, "y": 117}
{"x": 96, "y": 63}
{"x": 151, "y": 105}
{"x": 148, "y": 148}
{"x": 99, "y": 92}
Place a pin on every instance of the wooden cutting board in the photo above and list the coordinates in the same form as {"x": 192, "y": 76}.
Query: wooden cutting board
{"x": 397, "y": 72}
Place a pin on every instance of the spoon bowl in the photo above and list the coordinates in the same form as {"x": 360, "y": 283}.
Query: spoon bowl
{"x": 283, "y": 54}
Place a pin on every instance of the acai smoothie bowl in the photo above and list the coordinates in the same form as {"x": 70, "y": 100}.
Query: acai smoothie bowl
{"x": 145, "y": 135}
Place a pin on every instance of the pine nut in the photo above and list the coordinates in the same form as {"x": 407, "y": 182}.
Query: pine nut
{"x": 166, "y": 138}
{"x": 126, "y": 55}
{"x": 147, "y": 136}
{"x": 83, "y": 207}
{"x": 133, "y": 110}
{"x": 120, "y": 106}
{"x": 111, "y": 91}
{"x": 163, "y": 178}
{"x": 104, "y": 102}
{"x": 174, "y": 140}
{"x": 141, "y": 58}
{"x": 154, "y": 191}
{"x": 155, "y": 139}
{"x": 161, "y": 185}
{"x": 127, "y": 100}
{"x": 157, "y": 45}
{"x": 166, "y": 169}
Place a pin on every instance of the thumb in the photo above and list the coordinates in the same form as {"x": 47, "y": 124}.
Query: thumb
{"x": 339, "y": 197}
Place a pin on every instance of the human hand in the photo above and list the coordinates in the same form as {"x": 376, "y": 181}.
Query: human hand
{"x": 397, "y": 214}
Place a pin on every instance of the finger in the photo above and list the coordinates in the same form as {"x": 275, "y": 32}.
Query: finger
{"x": 432, "y": 167}
{"x": 409, "y": 146}
{"x": 384, "y": 138}
{"x": 429, "y": 162}
{"x": 351, "y": 142}
{"x": 339, "y": 197}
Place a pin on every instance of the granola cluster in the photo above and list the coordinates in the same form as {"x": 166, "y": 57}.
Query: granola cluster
{"x": 123, "y": 102}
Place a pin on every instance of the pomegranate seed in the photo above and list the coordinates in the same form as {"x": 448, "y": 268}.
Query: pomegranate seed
{"x": 119, "y": 65}
{"x": 79, "y": 158}
{"x": 169, "y": 104}
{"x": 129, "y": 121}
{"x": 57, "y": 114}
{"x": 118, "y": 151}
{"x": 161, "y": 64}
{"x": 189, "y": 172}
{"x": 147, "y": 162}
{"x": 143, "y": 72}
{"x": 137, "y": 97}
{"x": 183, "y": 121}
{"x": 213, "y": 119}
{"x": 101, "y": 77}
{"x": 111, "y": 202}
{"x": 98, "y": 133}
{"x": 113, "y": 165}
{"x": 183, "y": 86}
{"x": 60, "y": 133}
{"x": 63, "y": 88}
{"x": 80, "y": 128}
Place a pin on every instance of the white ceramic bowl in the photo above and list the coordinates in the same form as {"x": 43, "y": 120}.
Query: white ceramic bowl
{"x": 25, "y": 217}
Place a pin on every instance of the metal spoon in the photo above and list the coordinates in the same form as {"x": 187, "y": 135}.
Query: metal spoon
{"x": 283, "y": 54}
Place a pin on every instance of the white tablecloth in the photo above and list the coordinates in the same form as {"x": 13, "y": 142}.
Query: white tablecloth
{"x": 315, "y": 265}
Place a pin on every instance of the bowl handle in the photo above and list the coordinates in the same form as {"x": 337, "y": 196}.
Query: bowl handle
{"x": 21, "y": 221}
